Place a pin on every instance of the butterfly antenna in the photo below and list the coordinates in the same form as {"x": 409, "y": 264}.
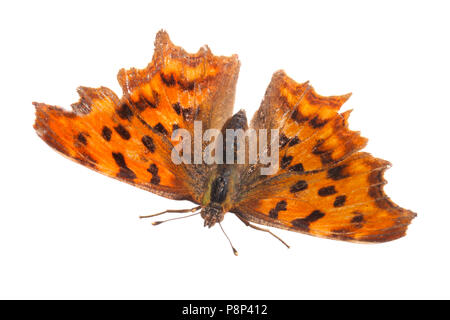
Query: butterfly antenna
{"x": 159, "y": 222}
{"x": 170, "y": 210}
{"x": 234, "y": 249}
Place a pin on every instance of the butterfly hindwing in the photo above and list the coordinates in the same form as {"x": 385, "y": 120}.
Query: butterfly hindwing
{"x": 324, "y": 186}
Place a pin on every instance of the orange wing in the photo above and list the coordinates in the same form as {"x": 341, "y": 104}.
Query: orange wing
{"x": 324, "y": 186}
{"x": 129, "y": 139}
{"x": 177, "y": 88}
{"x": 96, "y": 136}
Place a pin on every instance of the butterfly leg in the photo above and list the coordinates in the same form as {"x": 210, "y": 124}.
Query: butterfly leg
{"x": 171, "y": 210}
{"x": 249, "y": 224}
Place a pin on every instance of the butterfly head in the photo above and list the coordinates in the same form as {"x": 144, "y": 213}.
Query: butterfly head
{"x": 212, "y": 214}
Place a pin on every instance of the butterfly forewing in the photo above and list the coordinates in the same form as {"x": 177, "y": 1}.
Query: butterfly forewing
{"x": 130, "y": 139}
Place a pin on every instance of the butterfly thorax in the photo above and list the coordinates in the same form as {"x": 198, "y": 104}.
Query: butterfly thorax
{"x": 217, "y": 199}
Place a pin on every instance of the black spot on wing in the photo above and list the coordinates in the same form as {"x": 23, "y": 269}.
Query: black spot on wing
{"x": 187, "y": 113}
{"x": 339, "y": 201}
{"x": 119, "y": 159}
{"x": 153, "y": 169}
{"x": 81, "y": 138}
{"x": 325, "y": 155}
{"x": 297, "y": 168}
{"x": 337, "y": 173}
{"x": 155, "y": 180}
{"x": 285, "y": 161}
{"x": 148, "y": 143}
{"x": 177, "y": 108}
{"x": 186, "y": 85}
{"x": 283, "y": 140}
{"x": 317, "y": 123}
{"x": 303, "y": 223}
{"x": 106, "y": 133}
{"x": 123, "y": 133}
{"x": 160, "y": 128}
{"x": 299, "y": 186}
{"x": 375, "y": 177}
{"x": 124, "y": 111}
{"x": 294, "y": 115}
{"x": 143, "y": 103}
{"x": 327, "y": 191}
{"x": 168, "y": 80}
{"x": 298, "y": 117}
{"x": 280, "y": 206}
{"x": 358, "y": 220}
{"x": 124, "y": 171}
{"x": 294, "y": 141}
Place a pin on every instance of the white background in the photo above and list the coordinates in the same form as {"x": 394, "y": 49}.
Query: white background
{"x": 68, "y": 232}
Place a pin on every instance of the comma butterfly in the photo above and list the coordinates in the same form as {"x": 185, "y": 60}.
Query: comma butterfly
{"x": 323, "y": 186}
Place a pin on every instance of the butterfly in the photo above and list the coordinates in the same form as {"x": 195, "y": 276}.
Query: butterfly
{"x": 323, "y": 186}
